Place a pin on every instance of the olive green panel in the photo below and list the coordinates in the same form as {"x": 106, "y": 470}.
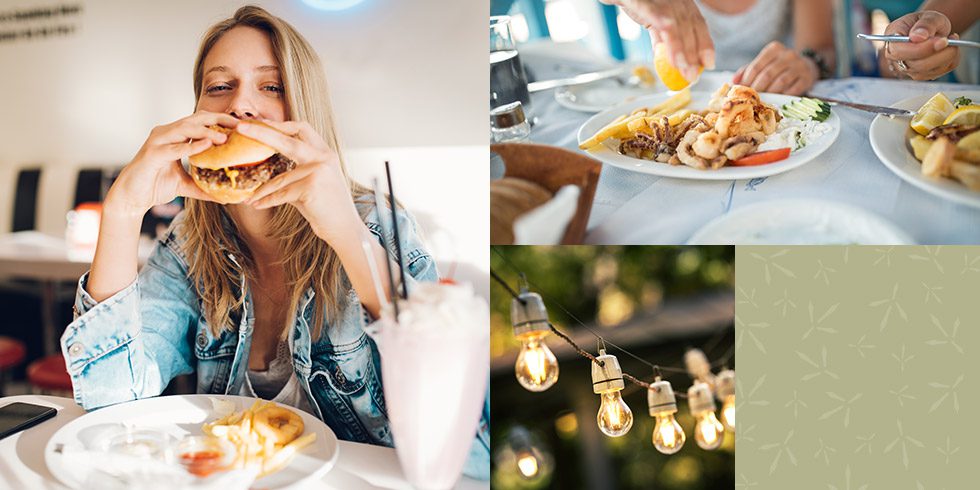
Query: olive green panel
{"x": 857, "y": 367}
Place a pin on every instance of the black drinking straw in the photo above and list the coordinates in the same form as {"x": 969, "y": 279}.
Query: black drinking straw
{"x": 378, "y": 203}
{"x": 394, "y": 226}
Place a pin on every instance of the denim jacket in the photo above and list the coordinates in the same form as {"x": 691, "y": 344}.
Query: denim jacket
{"x": 133, "y": 343}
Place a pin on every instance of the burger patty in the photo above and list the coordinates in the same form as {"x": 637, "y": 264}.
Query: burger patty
{"x": 247, "y": 175}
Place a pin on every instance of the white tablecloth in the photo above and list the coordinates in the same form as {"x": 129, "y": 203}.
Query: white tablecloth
{"x": 635, "y": 208}
{"x": 359, "y": 466}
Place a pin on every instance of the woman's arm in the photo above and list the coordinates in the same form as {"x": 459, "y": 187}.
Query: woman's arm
{"x": 155, "y": 176}
{"x": 131, "y": 344}
{"x": 116, "y": 255}
{"x": 318, "y": 188}
{"x": 813, "y": 28}
{"x": 961, "y": 13}
{"x": 355, "y": 264}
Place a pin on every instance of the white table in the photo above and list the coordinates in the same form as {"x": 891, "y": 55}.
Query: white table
{"x": 359, "y": 466}
{"x": 635, "y": 208}
{"x": 49, "y": 261}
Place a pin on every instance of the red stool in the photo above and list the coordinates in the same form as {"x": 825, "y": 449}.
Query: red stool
{"x": 49, "y": 374}
{"x": 12, "y": 353}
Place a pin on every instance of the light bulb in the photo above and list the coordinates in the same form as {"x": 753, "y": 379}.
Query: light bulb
{"x": 668, "y": 437}
{"x": 728, "y": 413}
{"x": 708, "y": 432}
{"x": 527, "y": 464}
{"x": 536, "y": 367}
{"x": 615, "y": 417}
{"x": 725, "y": 390}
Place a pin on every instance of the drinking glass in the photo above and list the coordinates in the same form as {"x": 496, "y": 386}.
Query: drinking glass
{"x": 508, "y": 82}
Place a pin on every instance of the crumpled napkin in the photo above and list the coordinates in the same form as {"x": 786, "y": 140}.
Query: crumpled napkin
{"x": 546, "y": 224}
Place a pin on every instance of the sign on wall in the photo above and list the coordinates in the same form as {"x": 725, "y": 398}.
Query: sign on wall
{"x": 36, "y": 23}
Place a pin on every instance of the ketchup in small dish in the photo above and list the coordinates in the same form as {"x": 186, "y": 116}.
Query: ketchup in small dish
{"x": 203, "y": 455}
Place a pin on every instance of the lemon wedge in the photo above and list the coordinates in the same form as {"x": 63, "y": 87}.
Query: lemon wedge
{"x": 933, "y": 113}
{"x": 668, "y": 73}
{"x": 966, "y": 115}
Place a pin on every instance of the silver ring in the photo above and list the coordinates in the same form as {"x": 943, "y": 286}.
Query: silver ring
{"x": 901, "y": 65}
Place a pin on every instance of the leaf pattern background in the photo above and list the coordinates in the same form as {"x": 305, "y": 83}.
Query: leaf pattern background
{"x": 856, "y": 369}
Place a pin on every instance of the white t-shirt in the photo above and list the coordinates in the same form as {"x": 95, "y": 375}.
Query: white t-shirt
{"x": 740, "y": 37}
{"x": 278, "y": 383}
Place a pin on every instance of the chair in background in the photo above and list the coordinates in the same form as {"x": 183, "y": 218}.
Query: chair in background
{"x": 88, "y": 186}
{"x": 48, "y": 375}
{"x": 25, "y": 199}
{"x": 17, "y": 296}
{"x": 12, "y": 353}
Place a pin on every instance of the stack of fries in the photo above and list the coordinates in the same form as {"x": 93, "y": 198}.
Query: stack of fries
{"x": 254, "y": 449}
{"x": 641, "y": 120}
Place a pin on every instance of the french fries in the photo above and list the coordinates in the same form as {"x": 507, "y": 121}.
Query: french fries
{"x": 638, "y": 120}
{"x": 252, "y": 449}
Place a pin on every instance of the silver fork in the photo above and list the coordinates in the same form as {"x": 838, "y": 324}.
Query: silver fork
{"x": 905, "y": 39}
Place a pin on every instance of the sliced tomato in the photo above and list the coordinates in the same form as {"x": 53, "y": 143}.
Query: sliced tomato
{"x": 762, "y": 157}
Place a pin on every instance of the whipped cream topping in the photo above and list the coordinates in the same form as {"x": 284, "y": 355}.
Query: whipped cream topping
{"x": 445, "y": 307}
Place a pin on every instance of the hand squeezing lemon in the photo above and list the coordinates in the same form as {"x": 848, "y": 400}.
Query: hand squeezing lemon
{"x": 669, "y": 74}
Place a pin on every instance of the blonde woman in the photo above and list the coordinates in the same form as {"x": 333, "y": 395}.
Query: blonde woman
{"x": 264, "y": 298}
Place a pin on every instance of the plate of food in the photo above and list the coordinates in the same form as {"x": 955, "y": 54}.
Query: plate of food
{"x": 800, "y": 222}
{"x": 188, "y": 437}
{"x": 937, "y": 151}
{"x": 734, "y": 133}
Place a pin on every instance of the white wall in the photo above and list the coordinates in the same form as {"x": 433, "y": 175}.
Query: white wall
{"x": 409, "y": 73}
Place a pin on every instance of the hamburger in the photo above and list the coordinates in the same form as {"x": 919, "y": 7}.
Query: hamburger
{"x": 231, "y": 172}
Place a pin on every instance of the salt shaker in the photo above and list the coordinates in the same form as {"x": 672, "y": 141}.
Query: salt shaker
{"x": 507, "y": 125}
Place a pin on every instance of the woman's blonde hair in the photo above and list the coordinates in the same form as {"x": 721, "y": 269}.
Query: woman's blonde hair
{"x": 306, "y": 259}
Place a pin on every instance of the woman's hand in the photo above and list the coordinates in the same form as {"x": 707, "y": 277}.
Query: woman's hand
{"x": 155, "y": 175}
{"x": 316, "y": 187}
{"x": 678, "y": 24}
{"x": 928, "y": 56}
{"x": 780, "y": 70}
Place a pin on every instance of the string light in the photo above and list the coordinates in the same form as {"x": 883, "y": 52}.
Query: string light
{"x": 528, "y": 457}
{"x": 698, "y": 366}
{"x": 536, "y": 367}
{"x": 615, "y": 417}
{"x": 537, "y": 370}
{"x": 708, "y": 432}
{"x": 725, "y": 390}
{"x": 668, "y": 437}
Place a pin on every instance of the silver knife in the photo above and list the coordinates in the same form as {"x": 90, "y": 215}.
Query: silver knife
{"x": 576, "y": 80}
{"x": 905, "y": 39}
{"x": 877, "y": 109}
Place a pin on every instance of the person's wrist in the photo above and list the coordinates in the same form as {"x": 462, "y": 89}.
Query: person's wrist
{"x": 122, "y": 207}
{"x": 347, "y": 243}
{"x": 342, "y": 233}
{"x": 813, "y": 68}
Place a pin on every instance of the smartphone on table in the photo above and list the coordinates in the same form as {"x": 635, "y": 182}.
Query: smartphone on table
{"x": 19, "y": 416}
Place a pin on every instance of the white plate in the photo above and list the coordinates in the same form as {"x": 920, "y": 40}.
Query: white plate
{"x": 800, "y": 222}
{"x": 182, "y": 415}
{"x": 602, "y": 94}
{"x": 608, "y": 153}
{"x": 889, "y": 139}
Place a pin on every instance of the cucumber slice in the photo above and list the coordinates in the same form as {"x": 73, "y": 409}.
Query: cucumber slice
{"x": 796, "y": 112}
{"x": 807, "y": 109}
{"x": 813, "y": 104}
